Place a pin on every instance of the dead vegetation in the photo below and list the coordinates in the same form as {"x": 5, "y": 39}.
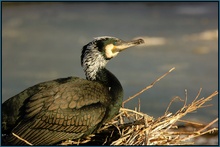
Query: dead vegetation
{"x": 163, "y": 130}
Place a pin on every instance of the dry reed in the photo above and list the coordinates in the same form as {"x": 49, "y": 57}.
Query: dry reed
{"x": 142, "y": 129}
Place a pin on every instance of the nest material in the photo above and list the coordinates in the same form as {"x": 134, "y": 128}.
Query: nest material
{"x": 160, "y": 131}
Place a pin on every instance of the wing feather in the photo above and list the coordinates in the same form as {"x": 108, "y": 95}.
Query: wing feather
{"x": 65, "y": 111}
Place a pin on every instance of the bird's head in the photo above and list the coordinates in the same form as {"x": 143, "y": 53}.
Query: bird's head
{"x": 97, "y": 53}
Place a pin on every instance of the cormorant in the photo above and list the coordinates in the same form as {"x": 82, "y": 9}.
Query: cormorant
{"x": 68, "y": 108}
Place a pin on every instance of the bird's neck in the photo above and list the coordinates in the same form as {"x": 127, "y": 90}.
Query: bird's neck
{"x": 107, "y": 78}
{"x": 115, "y": 90}
{"x": 104, "y": 76}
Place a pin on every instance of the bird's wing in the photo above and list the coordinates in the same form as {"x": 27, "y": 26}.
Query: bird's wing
{"x": 11, "y": 107}
{"x": 68, "y": 110}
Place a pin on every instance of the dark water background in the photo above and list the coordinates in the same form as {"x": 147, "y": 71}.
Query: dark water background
{"x": 43, "y": 41}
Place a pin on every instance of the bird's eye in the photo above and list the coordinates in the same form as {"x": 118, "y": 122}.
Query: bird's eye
{"x": 117, "y": 42}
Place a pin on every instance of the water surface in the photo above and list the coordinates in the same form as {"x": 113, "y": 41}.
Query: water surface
{"x": 43, "y": 41}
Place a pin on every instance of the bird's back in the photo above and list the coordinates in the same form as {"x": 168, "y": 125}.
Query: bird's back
{"x": 50, "y": 112}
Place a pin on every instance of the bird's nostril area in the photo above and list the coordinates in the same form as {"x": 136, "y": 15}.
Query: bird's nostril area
{"x": 140, "y": 41}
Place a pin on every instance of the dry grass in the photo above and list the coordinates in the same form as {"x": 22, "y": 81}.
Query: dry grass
{"x": 142, "y": 129}
{"x": 160, "y": 131}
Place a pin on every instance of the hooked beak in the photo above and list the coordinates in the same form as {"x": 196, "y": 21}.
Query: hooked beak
{"x": 126, "y": 44}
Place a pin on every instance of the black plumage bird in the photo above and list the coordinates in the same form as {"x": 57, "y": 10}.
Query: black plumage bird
{"x": 68, "y": 108}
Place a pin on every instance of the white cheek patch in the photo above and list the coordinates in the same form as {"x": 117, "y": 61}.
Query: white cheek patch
{"x": 109, "y": 51}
